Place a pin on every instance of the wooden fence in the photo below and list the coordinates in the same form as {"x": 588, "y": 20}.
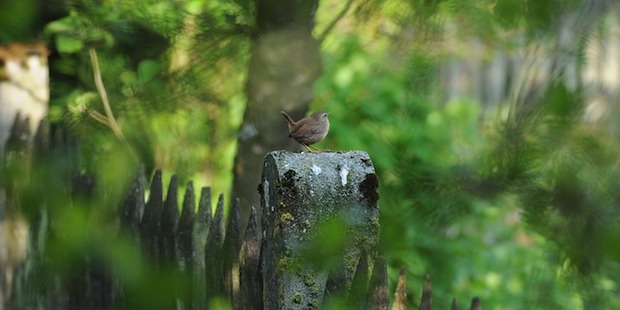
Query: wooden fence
{"x": 207, "y": 257}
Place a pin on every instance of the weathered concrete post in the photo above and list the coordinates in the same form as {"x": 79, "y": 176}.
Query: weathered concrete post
{"x": 304, "y": 196}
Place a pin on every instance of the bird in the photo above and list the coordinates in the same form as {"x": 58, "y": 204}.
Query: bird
{"x": 308, "y": 130}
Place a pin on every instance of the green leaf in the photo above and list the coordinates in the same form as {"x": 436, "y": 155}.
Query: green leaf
{"x": 62, "y": 25}
{"x": 148, "y": 69}
{"x": 68, "y": 44}
{"x": 99, "y": 37}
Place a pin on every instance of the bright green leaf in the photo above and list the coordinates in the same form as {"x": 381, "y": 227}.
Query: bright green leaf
{"x": 148, "y": 69}
{"x": 62, "y": 25}
{"x": 68, "y": 44}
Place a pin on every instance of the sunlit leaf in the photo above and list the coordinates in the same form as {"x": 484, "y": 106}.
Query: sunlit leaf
{"x": 68, "y": 44}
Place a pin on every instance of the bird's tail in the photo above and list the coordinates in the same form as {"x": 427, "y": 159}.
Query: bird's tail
{"x": 288, "y": 118}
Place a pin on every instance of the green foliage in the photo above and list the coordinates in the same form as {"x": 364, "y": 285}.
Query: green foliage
{"x": 490, "y": 209}
{"x": 164, "y": 78}
{"x": 75, "y": 31}
{"x": 520, "y": 211}
{"x": 18, "y": 20}
{"x": 411, "y": 144}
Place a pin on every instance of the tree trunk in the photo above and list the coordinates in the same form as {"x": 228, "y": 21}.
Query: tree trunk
{"x": 283, "y": 66}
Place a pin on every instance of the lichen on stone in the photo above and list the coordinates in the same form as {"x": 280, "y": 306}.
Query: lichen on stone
{"x": 298, "y": 298}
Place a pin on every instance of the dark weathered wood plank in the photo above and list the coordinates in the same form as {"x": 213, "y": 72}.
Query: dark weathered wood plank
{"x": 169, "y": 221}
{"x": 170, "y": 213}
{"x": 185, "y": 228}
{"x": 183, "y": 246}
{"x": 426, "y": 300}
{"x": 18, "y": 141}
{"x": 41, "y": 145}
{"x": 205, "y": 207}
{"x": 359, "y": 285}
{"x": 213, "y": 253}
{"x": 200, "y": 231}
{"x": 378, "y": 296}
{"x": 232, "y": 245}
{"x": 400, "y": 297}
{"x": 149, "y": 227}
{"x": 134, "y": 204}
{"x": 250, "y": 282}
{"x": 476, "y": 304}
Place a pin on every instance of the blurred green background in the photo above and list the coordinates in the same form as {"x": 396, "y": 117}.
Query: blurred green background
{"x": 491, "y": 125}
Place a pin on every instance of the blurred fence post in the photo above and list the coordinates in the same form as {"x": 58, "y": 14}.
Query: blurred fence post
{"x": 24, "y": 88}
{"x": 308, "y": 199}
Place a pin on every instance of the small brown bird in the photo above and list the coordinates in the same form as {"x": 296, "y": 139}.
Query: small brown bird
{"x": 308, "y": 130}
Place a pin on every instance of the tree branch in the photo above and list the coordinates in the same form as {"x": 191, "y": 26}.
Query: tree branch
{"x": 336, "y": 19}
{"x": 109, "y": 117}
{"x": 100, "y": 118}
{"x": 94, "y": 60}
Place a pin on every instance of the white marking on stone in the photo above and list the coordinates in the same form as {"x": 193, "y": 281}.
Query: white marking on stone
{"x": 316, "y": 169}
{"x": 344, "y": 172}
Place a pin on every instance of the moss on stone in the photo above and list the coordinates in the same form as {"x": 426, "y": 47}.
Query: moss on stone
{"x": 310, "y": 280}
{"x": 314, "y": 303}
{"x": 289, "y": 264}
{"x": 286, "y": 217}
{"x": 311, "y": 283}
{"x": 298, "y": 298}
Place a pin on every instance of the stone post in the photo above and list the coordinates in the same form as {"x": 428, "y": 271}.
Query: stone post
{"x": 319, "y": 213}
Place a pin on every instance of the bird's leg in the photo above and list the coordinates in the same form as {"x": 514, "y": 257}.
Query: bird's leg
{"x": 309, "y": 148}
{"x": 312, "y": 149}
{"x": 306, "y": 147}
